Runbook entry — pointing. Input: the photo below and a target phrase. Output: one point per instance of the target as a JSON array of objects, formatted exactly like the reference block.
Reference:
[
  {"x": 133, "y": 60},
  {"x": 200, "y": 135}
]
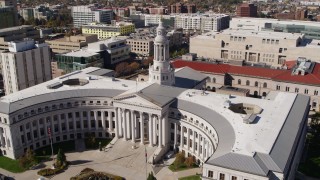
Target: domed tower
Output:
[{"x": 161, "y": 71}]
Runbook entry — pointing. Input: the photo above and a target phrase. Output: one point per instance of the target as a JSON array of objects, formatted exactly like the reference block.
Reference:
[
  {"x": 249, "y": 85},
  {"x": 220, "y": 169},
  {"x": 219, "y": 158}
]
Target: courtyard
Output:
[{"x": 119, "y": 159}]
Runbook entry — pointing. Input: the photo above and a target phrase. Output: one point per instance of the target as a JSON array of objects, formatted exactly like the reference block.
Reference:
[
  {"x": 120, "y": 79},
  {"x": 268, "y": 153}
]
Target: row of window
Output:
[
  {"x": 222, "y": 176},
  {"x": 60, "y": 106}
]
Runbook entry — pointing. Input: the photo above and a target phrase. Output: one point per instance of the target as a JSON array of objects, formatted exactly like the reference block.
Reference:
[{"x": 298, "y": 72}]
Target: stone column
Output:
[
  {"x": 133, "y": 117},
  {"x": 154, "y": 126},
  {"x": 59, "y": 124},
  {"x": 150, "y": 130},
  {"x": 67, "y": 121},
  {"x": 96, "y": 120},
  {"x": 207, "y": 149},
  {"x": 175, "y": 136},
  {"x": 89, "y": 119},
  {"x": 128, "y": 119},
  {"x": 193, "y": 142},
  {"x": 198, "y": 140},
  {"x": 116, "y": 123},
  {"x": 188, "y": 139},
  {"x": 160, "y": 131},
  {"x": 164, "y": 131},
  {"x": 103, "y": 120},
  {"x": 110, "y": 120},
  {"x": 181, "y": 136},
  {"x": 203, "y": 143},
  {"x": 142, "y": 127},
  {"x": 81, "y": 121},
  {"x": 120, "y": 121},
  {"x": 124, "y": 124}
]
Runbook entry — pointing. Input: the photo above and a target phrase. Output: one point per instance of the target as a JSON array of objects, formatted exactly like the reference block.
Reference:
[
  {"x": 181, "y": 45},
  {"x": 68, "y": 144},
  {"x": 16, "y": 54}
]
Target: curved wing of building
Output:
[{"x": 232, "y": 137}]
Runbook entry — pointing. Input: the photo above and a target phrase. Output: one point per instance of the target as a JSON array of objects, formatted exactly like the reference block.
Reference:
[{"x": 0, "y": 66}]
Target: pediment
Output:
[{"x": 135, "y": 99}]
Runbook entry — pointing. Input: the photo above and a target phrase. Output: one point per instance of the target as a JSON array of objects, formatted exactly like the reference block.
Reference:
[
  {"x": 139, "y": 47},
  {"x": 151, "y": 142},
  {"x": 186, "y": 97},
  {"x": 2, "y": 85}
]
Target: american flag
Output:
[{"x": 49, "y": 132}]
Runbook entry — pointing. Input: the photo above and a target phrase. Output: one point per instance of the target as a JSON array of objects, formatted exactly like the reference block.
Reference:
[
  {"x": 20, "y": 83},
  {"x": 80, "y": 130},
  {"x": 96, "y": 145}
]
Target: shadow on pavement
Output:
[{"x": 77, "y": 162}]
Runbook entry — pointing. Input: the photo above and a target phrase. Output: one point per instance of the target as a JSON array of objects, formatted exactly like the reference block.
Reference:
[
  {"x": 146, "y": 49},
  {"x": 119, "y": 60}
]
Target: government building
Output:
[{"x": 232, "y": 137}]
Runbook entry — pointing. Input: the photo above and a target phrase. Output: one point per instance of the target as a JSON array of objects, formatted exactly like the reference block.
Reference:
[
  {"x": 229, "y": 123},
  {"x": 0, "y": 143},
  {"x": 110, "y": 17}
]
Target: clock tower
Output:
[{"x": 161, "y": 71}]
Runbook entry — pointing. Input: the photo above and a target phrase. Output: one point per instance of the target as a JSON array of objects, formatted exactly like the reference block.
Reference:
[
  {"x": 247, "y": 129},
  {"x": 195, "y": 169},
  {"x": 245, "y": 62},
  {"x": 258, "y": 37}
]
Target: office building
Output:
[
  {"x": 191, "y": 22},
  {"x": 232, "y": 137},
  {"x": 182, "y": 8},
  {"x": 17, "y": 33},
  {"x": 202, "y": 22},
  {"x": 310, "y": 29},
  {"x": 256, "y": 47},
  {"x": 104, "y": 54},
  {"x": 105, "y": 31},
  {"x": 247, "y": 10},
  {"x": 25, "y": 64},
  {"x": 88, "y": 14},
  {"x": 71, "y": 43},
  {"x": 7, "y": 17}
]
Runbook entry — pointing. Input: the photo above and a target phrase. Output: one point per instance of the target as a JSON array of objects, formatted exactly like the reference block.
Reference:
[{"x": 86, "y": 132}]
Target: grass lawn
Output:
[
  {"x": 66, "y": 146},
  {"x": 194, "y": 177},
  {"x": 181, "y": 168},
  {"x": 103, "y": 141},
  {"x": 311, "y": 167},
  {"x": 10, "y": 165}
]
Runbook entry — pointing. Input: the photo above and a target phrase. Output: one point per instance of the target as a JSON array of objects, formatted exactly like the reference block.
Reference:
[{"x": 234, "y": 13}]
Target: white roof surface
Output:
[{"x": 250, "y": 138}]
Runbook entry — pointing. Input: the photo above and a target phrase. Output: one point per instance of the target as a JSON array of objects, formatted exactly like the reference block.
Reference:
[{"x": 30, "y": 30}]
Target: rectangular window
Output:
[
  {"x": 210, "y": 174},
  {"x": 221, "y": 176}
]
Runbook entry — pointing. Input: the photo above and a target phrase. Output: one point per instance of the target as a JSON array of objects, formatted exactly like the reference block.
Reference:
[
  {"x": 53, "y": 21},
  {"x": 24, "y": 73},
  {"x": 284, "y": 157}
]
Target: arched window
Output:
[
  {"x": 264, "y": 94},
  {"x": 208, "y": 79},
  {"x": 248, "y": 83},
  {"x": 239, "y": 81},
  {"x": 213, "y": 80},
  {"x": 265, "y": 85},
  {"x": 256, "y": 84}
]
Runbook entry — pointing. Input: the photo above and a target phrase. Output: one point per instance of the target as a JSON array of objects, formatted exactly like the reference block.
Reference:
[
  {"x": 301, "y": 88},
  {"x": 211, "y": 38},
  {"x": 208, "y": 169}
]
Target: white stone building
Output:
[
  {"x": 164, "y": 113},
  {"x": 25, "y": 64},
  {"x": 87, "y": 14},
  {"x": 264, "y": 47}
]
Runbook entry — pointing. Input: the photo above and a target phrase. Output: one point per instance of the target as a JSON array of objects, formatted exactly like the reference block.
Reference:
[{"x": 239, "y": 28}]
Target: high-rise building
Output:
[
  {"x": 7, "y": 17},
  {"x": 87, "y": 14},
  {"x": 247, "y": 10},
  {"x": 24, "y": 65},
  {"x": 161, "y": 71}
]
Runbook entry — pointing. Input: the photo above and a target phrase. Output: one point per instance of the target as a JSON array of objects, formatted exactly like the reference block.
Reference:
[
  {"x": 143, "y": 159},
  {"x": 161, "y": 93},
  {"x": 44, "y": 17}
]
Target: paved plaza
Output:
[{"x": 120, "y": 159}]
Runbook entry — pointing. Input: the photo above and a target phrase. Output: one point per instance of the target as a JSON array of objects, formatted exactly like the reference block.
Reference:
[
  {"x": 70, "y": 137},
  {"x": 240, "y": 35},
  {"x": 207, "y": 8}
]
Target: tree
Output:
[
  {"x": 180, "y": 159},
  {"x": 61, "y": 158},
  {"x": 146, "y": 62},
  {"x": 134, "y": 66},
  {"x": 315, "y": 124},
  {"x": 189, "y": 161},
  {"x": 151, "y": 176},
  {"x": 28, "y": 159}
]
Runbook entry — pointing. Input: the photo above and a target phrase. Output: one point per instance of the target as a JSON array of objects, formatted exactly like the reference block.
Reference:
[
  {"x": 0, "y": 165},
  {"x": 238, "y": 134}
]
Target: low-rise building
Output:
[
  {"x": 104, "y": 54},
  {"x": 257, "y": 47},
  {"x": 25, "y": 64},
  {"x": 17, "y": 33},
  {"x": 301, "y": 77},
  {"x": 105, "y": 31},
  {"x": 309, "y": 28},
  {"x": 67, "y": 44}
]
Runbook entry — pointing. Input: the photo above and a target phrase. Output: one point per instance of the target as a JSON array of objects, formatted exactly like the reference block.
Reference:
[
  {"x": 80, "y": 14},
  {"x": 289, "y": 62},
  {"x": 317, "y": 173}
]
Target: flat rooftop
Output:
[
  {"x": 276, "y": 21},
  {"x": 81, "y": 53},
  {"x": 15, "y": 28},
  {"x": 247, "y": 33}
]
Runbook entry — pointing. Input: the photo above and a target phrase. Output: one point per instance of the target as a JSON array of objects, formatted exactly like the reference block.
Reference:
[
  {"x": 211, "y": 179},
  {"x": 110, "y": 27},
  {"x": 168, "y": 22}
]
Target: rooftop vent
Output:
[{"x": 249, "y": 118}]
